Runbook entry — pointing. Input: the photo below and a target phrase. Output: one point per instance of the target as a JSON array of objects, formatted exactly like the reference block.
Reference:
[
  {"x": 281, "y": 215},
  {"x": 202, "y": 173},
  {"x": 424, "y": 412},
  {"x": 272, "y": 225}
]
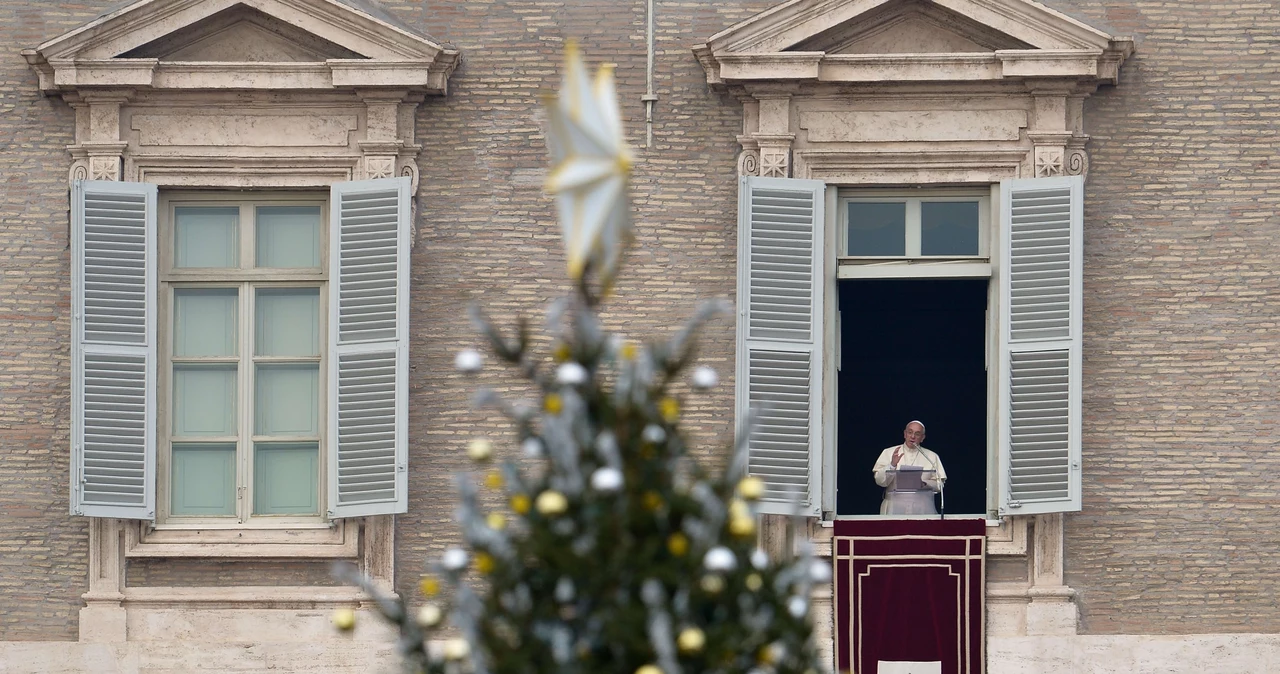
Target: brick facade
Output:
[{"x": 1176, "y": 535}]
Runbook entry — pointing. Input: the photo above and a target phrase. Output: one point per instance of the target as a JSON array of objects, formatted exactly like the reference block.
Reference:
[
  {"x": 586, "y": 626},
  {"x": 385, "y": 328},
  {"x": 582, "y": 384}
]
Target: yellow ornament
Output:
[
  {"x": 649, "y": 669},
  {"x": 651, "y": 500},
  {"x": 496, "y": 521},
  {"x": 480, "y": 450},
  {"x": 551, "y": 502},
  {"x": 520, "y": 504},
  {"x": 456, "y": 649},
  {"x": 493, "y": 480},
  {"x": 738, "y": 508},
  {"x": 484, "y": 562},
  {"x": 562, "y": 353},
  {"x": 552, "y": 403},
  {"x": 344, "y": 619},
  {"x": 678, "y": 544},
  {"x": 669, "y": 408},
  {"x": 628, "y": 351},
  {"x": 742, "y": 526},
  {"x": 429, "y": 586},
  {"x": 754, "y": 582},
  {"x": 712, "y": 584},
  {"x": 691, "y": 640},
  {"x": 429, "y": 615},
  {"x": 751, "y": 488}
]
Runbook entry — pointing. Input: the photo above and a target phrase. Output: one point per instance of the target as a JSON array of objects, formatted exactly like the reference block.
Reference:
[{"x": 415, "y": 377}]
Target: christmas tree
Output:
[{"x": 617, "y": 551}]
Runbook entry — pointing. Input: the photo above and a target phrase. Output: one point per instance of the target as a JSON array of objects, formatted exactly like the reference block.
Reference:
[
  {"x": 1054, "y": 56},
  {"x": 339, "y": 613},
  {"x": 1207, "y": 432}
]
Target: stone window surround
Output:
[
  {"x": 881, "y": 120},
  {"x": 277, "y": 126}
]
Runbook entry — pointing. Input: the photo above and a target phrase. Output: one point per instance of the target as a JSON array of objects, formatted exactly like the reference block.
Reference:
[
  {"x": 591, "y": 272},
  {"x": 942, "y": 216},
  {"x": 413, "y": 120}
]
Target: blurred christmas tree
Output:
[{"x": 619, "y": 552}]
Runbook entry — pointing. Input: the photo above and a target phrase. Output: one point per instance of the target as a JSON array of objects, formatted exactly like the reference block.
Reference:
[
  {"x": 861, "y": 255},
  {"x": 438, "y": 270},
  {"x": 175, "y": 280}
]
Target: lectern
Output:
[{"x": 909, "y": 492}]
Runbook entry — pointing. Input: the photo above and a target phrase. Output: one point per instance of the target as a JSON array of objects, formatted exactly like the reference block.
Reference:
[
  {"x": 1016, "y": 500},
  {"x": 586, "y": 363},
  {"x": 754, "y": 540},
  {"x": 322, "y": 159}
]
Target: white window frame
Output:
[{"x": 246, "y": 278}]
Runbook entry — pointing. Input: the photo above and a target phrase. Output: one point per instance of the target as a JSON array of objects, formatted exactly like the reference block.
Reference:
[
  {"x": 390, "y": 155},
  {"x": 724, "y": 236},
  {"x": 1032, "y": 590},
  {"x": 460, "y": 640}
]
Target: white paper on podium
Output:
[{"x": 903, "y": 667}]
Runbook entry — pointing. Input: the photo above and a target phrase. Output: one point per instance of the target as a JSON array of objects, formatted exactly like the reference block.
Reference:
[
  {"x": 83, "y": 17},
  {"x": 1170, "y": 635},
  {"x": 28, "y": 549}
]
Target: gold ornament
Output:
[
  {"x": 562, "y": 353},
  {"x": 429, "y": 615},
  {"x": 691, "y": 640},
  {"x": 493, "y": 479},
  {"x": 678, "y": 544},
  {"x": 429, "y": 586},
  {"x": 754, "y": 582},
  {"x": 496, "y": 521},
  {"x": 480, "y": 450},
  {"x": 628, "y": 351},
  {"x": 551, "y": 502},
  {"x": 651, "y": 501},
  {"x": 552, "y": 403},
  {"x": 520, "y": 504},
  {"x": 742, "y": 526},
  {"x": 344, "y": 619},
  {"x": 649, "y": 669},
  {"x": 669, "y": 408},
  {"x": 751, "y": 488},
  {"x": 712, "y": 584},
  {"x": 484, "y": 562}
]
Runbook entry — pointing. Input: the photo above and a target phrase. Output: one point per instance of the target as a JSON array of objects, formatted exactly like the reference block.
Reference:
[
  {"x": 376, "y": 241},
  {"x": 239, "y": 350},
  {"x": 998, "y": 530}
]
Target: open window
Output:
[{"x": 980, "y": 340}]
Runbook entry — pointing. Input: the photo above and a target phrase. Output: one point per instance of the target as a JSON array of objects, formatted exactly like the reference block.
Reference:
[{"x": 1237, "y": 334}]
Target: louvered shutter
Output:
[
  {"x": 780, "y": 306},
  {"x": 113, "y": 349},
  {"x": 369, "y": 355},
  {"x": 1040, "y": 283}
]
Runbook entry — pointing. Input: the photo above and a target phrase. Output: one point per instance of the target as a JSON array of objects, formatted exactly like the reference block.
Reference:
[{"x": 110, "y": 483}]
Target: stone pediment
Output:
[
  {"x": 849, "y": 41},
  {"x": 242, "y": 44}
]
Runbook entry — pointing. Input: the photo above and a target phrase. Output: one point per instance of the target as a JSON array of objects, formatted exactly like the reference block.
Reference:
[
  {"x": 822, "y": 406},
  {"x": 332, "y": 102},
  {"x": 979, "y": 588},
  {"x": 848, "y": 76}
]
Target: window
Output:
[
  {"x": 932, "y": 224},
  {"x": 243, "y": 284},
  {"x": 1003, "y": 343},
  {"x": 275, "y": 331}
]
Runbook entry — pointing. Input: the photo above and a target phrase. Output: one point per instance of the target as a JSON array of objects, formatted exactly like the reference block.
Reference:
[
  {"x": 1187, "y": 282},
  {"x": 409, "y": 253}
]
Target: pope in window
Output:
[{"x": 910, "y": 474}]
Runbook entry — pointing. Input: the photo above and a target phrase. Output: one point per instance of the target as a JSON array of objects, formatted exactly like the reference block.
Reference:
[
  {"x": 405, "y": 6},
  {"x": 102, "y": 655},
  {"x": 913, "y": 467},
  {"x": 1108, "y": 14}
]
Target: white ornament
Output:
[
  {"x": 454, "y": 559},
  {"x": 653, "y": 434},
  {"x": 531, "y": 447},
  {"x": 819, "y": 572},
  {"x": 456, "y": 649},
  {"x": 606, "y": 479},
  {"x": 705, "y": 377},
  {"x": 468, "y": 360},
  {"x": 429, "y": 615},
  {"x": 571, "y": 374},
  {"x": 759, "y": 559},
  {"x": 797, "y": 607},
  {"x": 720, "y": 558}
]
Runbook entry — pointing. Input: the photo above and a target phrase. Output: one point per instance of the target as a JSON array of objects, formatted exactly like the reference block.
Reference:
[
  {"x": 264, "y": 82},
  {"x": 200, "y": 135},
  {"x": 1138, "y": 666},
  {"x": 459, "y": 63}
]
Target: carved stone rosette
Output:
[{"x": 1048, "y": 161}]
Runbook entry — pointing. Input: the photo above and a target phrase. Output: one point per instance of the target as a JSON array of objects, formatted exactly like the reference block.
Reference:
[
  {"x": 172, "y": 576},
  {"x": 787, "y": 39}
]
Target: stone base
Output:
[{"x": 1135, "y": 654}]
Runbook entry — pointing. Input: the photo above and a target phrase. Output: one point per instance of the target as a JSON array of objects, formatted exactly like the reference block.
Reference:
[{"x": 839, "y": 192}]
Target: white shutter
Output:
[
  {"x": 113, "y": 349},
  {"x": 780, "y": 307},
  {"x": 1040, "y": 294},
  {"x": 369, "y": 354}
]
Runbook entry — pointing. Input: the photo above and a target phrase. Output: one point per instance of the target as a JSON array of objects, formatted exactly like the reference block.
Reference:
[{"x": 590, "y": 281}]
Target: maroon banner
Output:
[{"x": 909, "y": 591}]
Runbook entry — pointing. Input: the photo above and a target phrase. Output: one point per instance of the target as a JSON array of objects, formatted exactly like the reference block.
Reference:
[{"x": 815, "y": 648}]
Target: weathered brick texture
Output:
[{"x": 1178, "y": 529}]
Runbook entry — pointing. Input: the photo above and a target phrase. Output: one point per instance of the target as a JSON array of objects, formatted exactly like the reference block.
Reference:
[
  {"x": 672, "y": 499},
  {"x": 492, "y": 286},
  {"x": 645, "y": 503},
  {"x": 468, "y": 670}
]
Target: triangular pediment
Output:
[
  {"x": 243, "y": 34},
  {"x": 131, "y": 46},
  {"x": 910, "y": 40},
  {"x": 919, "y": 27}
]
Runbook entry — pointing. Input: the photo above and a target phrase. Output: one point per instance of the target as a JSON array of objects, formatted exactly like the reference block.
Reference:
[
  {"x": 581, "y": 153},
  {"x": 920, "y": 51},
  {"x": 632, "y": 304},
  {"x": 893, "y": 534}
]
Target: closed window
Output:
[{"x": 938, "y": 224}]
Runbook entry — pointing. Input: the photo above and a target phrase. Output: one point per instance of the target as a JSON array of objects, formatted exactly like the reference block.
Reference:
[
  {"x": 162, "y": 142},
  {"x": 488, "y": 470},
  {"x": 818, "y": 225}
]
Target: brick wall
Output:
[{"x": 1181, "y": 295}]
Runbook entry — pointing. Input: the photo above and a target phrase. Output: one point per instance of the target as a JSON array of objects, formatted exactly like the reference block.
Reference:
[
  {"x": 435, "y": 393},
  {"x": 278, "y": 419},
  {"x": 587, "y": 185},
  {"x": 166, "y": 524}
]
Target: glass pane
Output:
[
  {"x": 204, "y": 400},
  {"x": 287, "y": 399},
  {"x": 286, "y": 478},
  {"x": 204, "y": 322},
  {"x": 205, "y": 236},
  {"x": 204, "y": 479},
  {"x": 949, "y": 228},
  {"x": 288, "y": 236},
  {"x": 877, "y": 228},
  {"x": 287, "y": 322}
]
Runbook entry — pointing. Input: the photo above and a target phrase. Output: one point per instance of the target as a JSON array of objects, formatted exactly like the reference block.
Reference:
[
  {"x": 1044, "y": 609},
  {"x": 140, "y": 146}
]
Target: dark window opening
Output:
[{"x": 912, "y": 349}]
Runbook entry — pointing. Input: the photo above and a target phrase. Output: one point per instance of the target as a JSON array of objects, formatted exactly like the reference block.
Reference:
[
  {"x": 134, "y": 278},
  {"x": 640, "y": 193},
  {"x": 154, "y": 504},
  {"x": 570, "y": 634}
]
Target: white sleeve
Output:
[{"x": 881, "y": 469}]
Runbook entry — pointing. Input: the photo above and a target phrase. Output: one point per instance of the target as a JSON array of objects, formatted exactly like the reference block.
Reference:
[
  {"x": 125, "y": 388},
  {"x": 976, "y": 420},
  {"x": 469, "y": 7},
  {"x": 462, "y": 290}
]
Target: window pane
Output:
[
  {"x": 288, "y": 399},
  {"x": 205, "y": 236},
  {"x": 204, "y": 322},
  {"x": 288, "y": 322},
  {"x": 286, "y": 478},
  {"x": 949, "y": 228},
  {"x": 204, "y": 479},
  {"x": 288, "y": 236},
  {"x": 204, "y": 400},
  {"x": 877, "y": 228}
]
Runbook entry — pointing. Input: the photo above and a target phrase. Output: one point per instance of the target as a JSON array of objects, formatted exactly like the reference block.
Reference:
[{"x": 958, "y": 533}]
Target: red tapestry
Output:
[{"x": 909, "y": 591}]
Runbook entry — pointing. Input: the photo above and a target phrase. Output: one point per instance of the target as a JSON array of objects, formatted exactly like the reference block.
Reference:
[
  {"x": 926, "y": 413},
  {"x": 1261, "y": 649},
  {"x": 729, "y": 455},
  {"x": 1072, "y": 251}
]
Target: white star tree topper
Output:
[{"x": 590, "y": 171}]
